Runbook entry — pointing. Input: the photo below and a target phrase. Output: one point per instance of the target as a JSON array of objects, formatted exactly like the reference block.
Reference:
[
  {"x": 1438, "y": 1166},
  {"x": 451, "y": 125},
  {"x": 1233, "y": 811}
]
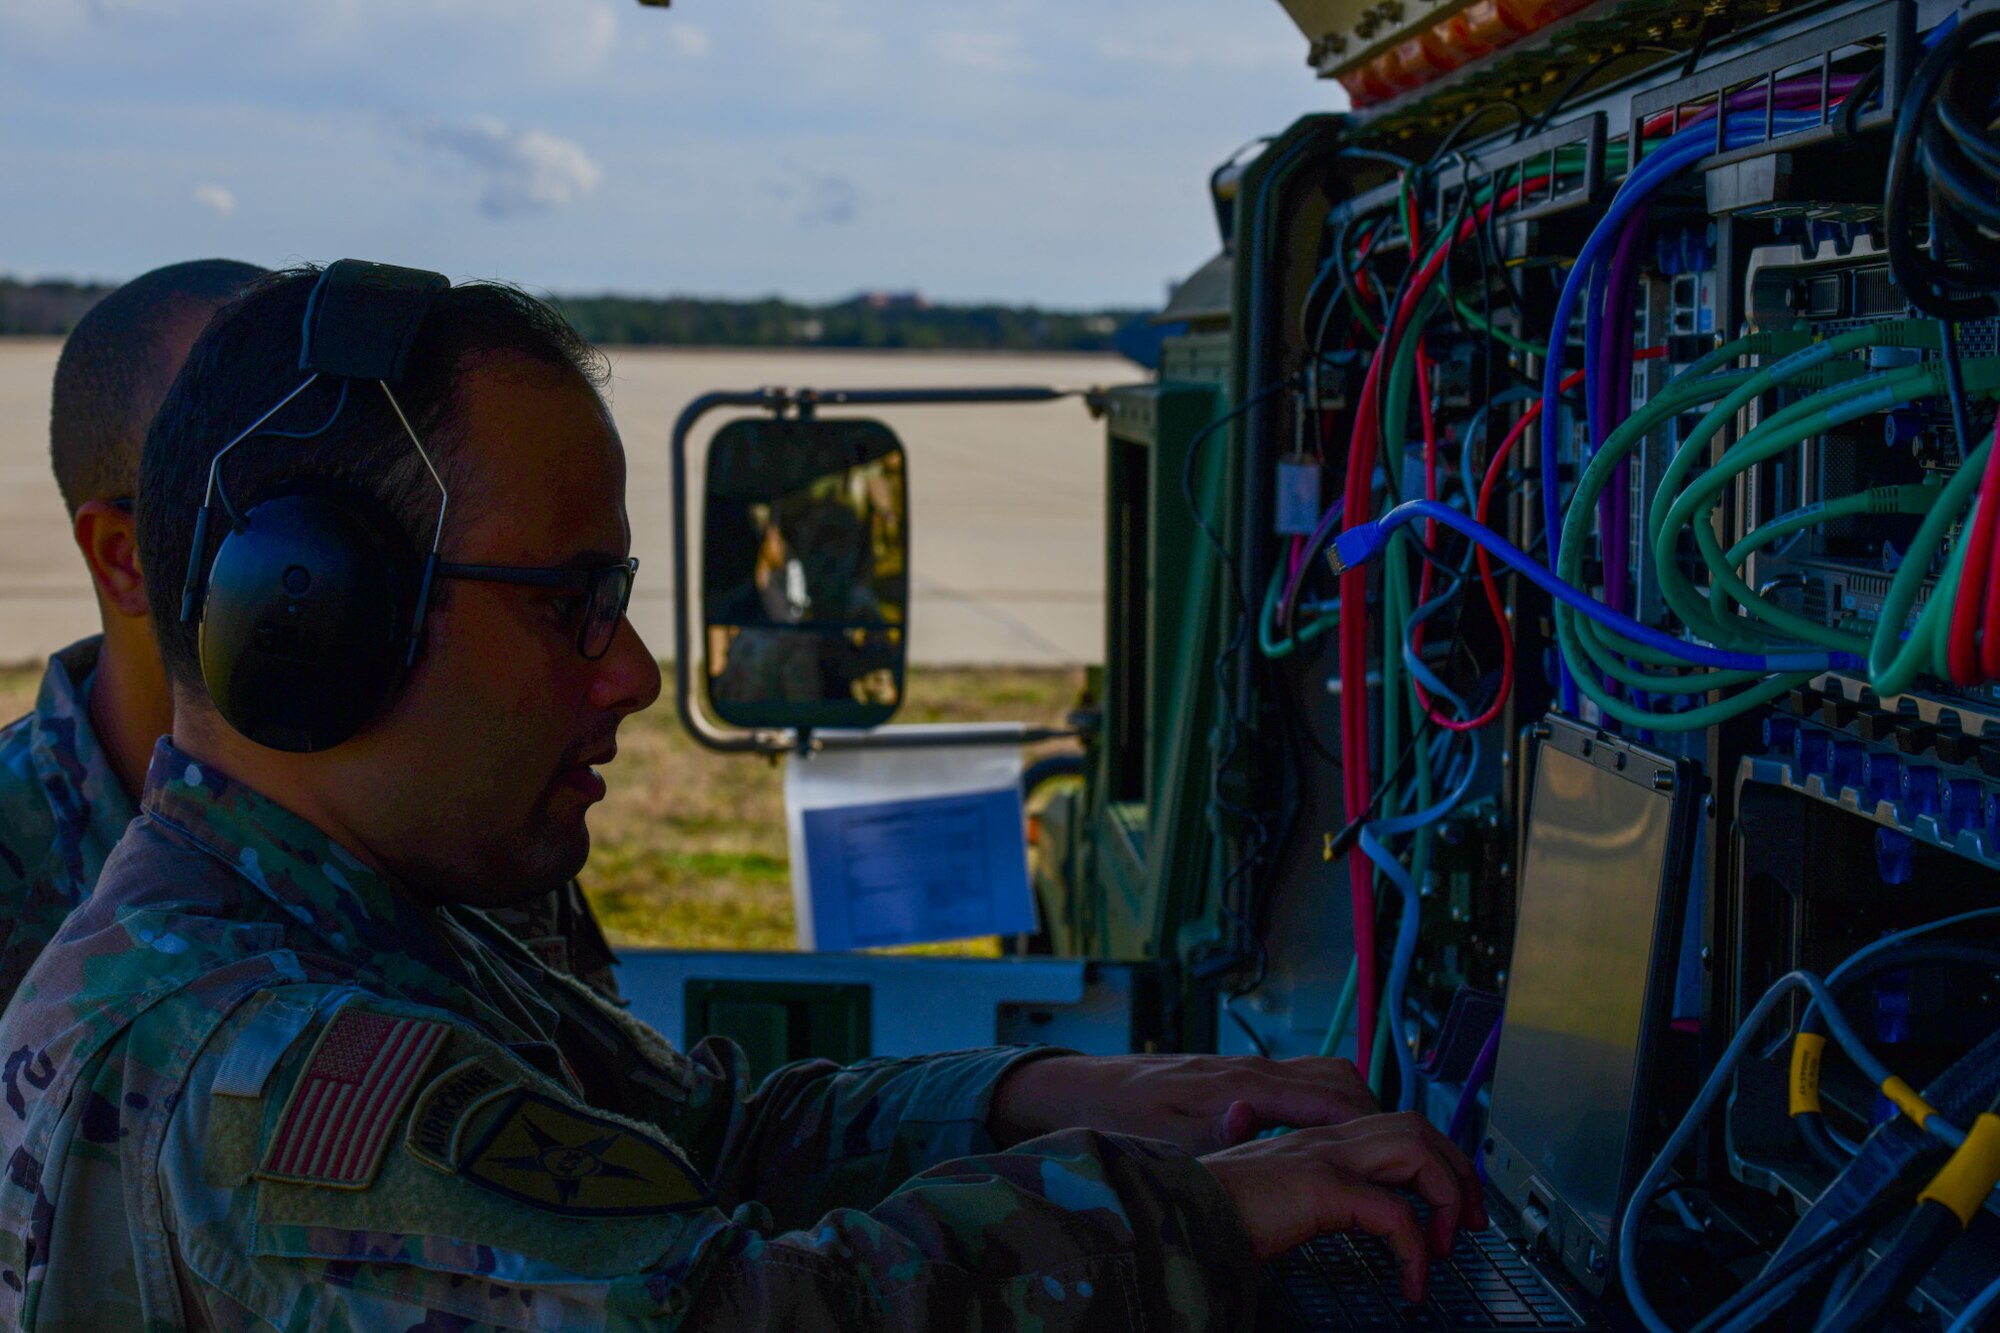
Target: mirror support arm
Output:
[{"x": 804, "y": 402}]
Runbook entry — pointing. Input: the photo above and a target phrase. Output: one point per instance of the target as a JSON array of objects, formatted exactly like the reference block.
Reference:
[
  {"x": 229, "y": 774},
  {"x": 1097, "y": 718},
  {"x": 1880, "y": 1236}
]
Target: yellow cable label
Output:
[
  {"x": 1965, "y": 1181},
  {"x": 1806, "y": 1050},
  {"x": 1906, "y": 1100}
]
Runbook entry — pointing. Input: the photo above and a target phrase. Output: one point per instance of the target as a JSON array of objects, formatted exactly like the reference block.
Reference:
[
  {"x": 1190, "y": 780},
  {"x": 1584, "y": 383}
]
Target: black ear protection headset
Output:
[{"x": 312, "y": 610}]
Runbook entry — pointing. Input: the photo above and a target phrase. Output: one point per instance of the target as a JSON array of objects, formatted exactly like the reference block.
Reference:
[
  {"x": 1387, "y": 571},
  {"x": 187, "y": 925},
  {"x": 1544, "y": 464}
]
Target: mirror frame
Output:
[
  {"x": 804, "y": 402},
  {"x": 785, "y": 455}
]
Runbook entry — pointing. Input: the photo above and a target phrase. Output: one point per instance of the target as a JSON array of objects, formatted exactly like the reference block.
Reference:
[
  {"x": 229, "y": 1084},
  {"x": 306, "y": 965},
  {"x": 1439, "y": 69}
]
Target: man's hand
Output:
[
  {"x": 1292, "y": 1188},
  {"x": 1199, "y": 1103}
]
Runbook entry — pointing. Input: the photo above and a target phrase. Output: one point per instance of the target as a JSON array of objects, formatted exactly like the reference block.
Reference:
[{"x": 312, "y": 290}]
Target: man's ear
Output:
[{"x": 109, "y": 540}]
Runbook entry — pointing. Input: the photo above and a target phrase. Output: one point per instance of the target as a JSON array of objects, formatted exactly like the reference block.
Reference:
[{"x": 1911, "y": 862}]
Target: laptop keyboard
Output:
[{"x": 1352, "y": 1280}]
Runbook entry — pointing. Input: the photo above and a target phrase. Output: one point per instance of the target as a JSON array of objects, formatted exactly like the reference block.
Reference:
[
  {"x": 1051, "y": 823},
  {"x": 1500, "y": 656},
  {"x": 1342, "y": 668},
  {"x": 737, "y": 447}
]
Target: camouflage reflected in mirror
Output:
[{"x": 805, "y": 573}]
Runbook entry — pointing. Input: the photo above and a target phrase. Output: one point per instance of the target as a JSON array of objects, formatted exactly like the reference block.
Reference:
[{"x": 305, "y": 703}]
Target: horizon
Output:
[
  {"x": 1031, "y": 154},
  {"x": 756, "y": 298}
]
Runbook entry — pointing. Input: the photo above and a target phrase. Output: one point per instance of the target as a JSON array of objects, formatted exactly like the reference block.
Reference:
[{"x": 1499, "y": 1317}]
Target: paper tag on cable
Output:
[{"x": 1298, "y": 497}]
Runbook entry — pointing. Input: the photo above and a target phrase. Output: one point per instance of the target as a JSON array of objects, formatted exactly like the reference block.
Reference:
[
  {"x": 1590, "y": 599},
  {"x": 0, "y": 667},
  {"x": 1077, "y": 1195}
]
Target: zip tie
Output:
[
  {"x": 1964, "y": 1181},
  {"x": 1807, "y": 1050}
]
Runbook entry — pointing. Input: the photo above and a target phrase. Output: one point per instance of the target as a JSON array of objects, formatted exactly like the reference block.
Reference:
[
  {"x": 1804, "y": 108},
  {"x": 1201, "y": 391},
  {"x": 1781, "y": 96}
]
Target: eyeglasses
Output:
[{"x": 606, "y": 591}]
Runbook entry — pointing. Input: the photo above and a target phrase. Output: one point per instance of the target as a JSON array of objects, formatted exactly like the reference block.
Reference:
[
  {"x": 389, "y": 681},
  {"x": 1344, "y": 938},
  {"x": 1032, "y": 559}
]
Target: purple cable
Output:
[
  {"x": 1792, "y": 95},
  {"x": 1475, "y": 1078},
  {"x": 1311, "y": 548},
  {"x": 1624, "y": 291},
  {"x": 1611, "y": 396}
]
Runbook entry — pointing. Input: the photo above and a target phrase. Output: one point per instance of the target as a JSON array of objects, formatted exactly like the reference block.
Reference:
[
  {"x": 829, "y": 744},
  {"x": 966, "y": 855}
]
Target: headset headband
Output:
[{"x": 362, "y": 319}]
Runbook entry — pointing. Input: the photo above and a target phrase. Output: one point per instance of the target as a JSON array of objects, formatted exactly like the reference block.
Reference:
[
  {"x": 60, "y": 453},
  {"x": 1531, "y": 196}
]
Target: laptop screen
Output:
[{"x": 1566, "y": 1082}]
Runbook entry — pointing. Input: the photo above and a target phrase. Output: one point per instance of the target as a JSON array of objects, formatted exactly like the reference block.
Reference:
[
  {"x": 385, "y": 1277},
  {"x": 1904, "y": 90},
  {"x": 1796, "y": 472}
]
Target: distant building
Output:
[{"x": 879, "y": 300}]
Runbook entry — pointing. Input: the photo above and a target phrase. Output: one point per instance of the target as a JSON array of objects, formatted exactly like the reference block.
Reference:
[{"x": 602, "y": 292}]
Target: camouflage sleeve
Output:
[
  {"x": 492, "y": 1196},
  {"x": 817, "y": 1136},
  {"x": 1075, "y": 1230}
]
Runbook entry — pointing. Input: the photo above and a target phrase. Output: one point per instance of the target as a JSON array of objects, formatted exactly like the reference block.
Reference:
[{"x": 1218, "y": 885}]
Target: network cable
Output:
[
  {"x": 1677, "y": 1143},
  {"x": 1363, "y": 542}
]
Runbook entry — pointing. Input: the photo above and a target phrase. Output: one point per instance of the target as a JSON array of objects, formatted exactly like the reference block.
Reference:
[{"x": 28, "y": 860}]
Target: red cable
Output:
[
  {"x": 1964, "y": 651},
  {"x": 1356, "y": 779},
  {"x": 1989, "y": 638}
]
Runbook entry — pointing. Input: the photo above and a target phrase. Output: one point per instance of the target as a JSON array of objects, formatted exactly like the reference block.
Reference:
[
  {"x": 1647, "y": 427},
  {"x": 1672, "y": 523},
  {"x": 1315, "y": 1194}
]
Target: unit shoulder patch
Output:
[
  {"x": 356, "y": 1082},
  {"x": 446, "y": 1107},
  {"x": 567, "y": 1159}
]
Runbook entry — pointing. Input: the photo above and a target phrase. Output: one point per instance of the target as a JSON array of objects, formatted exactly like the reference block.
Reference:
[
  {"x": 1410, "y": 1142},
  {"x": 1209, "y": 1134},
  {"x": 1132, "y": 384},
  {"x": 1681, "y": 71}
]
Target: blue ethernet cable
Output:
[
  {"x": 1678, "y": 153},
  {"x": 1968, "y": 1318},
  {"x": 1677, "y": 1143},
  {"x": 1364, "y": 541}
]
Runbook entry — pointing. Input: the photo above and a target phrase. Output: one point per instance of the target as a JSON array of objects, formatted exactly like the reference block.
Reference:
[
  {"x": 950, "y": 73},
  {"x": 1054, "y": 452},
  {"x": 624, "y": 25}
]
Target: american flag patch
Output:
[{"x": 355, "y": 1084}]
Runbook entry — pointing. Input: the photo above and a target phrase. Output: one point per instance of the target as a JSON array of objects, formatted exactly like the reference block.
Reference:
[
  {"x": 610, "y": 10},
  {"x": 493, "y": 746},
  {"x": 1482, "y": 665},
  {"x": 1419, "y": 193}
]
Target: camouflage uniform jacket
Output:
[
  {"x": 251, "y": 1084},
  {"x": 62, "y": 808}
]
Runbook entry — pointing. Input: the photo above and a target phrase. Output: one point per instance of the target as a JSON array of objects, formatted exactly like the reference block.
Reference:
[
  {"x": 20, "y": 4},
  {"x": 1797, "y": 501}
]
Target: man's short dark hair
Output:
[
  {"x": 115, "y": 369},
  {"x": 248, "y": 359}
]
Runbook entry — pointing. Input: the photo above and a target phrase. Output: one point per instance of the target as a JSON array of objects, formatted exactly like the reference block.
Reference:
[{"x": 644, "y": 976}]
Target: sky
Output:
[{"x": 1051, "y": 152}]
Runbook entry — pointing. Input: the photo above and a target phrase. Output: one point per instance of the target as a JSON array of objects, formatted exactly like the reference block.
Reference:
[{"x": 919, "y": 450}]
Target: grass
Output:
[{"x": 688, "y": 849}]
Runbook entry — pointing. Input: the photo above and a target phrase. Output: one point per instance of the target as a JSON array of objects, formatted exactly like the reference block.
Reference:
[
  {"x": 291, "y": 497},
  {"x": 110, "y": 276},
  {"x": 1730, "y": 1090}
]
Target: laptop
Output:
[{"x": 1606, "y": 865}]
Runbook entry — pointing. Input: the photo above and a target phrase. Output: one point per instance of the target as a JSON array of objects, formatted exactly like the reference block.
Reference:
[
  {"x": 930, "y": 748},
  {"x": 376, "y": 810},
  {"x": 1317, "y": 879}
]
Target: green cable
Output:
[
  {"x": 1603, "y": 647},
  {"x": 1343, "y": 1009},
  {"x": 1662, "y": 529},
  {"x": 1679, "y": 593},
  {"x": 1781, "y": 432},
  {"x": 1581, "y": 638},
  {"x": 1945, "y": 594},
  {"x": 1266, "y": 620},
  {"x": 1399, "y": 690},
  {"x": 1381, "y": 1052},
  {"x": 1395, "y": 608},
  {"x": 1729, "y": 585},
  {"x": 1813, "y": 416},
  {"x": 1919, "y": 500},
  {"x": 1478, "y": 321},
  {"x": 1894, "y": 661}
]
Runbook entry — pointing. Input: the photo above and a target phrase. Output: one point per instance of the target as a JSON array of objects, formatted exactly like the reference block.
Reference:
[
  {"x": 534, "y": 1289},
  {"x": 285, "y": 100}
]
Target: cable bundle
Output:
[{"x": 1944, "y": 131}]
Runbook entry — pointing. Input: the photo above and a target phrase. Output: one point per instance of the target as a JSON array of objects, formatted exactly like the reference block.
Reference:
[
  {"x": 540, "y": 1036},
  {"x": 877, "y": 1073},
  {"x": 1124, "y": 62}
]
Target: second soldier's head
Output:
[{"x": 471, "y": 783}]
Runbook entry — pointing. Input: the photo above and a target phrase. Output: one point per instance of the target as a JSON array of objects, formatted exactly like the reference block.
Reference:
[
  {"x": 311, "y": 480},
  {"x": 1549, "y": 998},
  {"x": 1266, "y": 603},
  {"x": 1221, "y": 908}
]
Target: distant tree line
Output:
[{"x": 871, "y": 320}]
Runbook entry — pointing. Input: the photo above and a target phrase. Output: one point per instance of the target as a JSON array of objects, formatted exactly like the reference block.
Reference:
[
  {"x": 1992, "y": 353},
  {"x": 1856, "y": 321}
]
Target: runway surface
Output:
[{"x": 1007, "y": 535}]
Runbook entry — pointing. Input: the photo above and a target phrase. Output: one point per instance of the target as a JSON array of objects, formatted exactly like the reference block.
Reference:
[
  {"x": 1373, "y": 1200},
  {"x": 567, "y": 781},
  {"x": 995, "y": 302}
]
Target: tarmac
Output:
[{"x": 1006, "y": 502}]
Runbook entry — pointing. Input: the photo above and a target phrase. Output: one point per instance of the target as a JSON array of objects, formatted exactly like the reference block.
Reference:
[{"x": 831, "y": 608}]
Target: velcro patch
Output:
[
  {"x": 446, "y": 1107},
  {"x": 565, "y": 1159},
  {"x": 356, "y": 1082},
  {"x": 259, "y": 1046}
]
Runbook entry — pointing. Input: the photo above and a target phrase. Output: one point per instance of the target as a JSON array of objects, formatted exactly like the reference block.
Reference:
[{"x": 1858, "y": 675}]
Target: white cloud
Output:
[
  {"x": 524, "y": 170},
  {"x": 217, "y": 199},
  {"x": 989, "y": 52},
  {"x": 690, "y": 41}
]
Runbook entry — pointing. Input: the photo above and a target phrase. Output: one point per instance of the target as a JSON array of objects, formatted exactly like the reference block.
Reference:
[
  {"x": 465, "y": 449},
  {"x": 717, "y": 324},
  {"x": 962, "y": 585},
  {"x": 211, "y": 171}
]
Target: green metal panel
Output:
[
  {"x": 778, "y": 1022},
  {"x": 1140, "y": 865}
]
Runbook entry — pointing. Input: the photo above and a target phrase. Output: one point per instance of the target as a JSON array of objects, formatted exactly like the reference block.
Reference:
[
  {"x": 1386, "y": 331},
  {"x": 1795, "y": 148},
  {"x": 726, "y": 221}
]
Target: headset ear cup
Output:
[{"x": 305, "y": 627}]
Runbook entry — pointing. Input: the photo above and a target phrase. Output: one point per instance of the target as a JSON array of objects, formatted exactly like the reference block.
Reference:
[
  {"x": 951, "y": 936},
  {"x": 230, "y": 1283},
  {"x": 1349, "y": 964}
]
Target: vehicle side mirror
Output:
[{"x": 805, "y": 573}]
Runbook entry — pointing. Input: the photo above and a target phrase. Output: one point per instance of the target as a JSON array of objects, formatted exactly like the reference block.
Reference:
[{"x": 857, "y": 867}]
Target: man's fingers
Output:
[
  {"x": 1404, "y": 1156},
  {"x": 1360, "y": 1207},
  {"x": 1286, "y": 1096},
  {"x": 1239, "y": 1124},
  {"x": 1470, "y": 1190}
]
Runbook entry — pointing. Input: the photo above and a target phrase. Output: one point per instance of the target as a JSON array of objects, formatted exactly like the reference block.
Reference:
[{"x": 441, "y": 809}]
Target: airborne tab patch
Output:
[
  {"x": 567, "y": 1160},
  {"x": 445, "y": 1107},
  {"x": 356, "y": 1082}
]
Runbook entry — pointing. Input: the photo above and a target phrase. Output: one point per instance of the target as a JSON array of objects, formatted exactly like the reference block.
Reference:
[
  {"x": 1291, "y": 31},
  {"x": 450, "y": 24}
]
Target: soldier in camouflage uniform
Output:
[
  {"x": 69, "y": 771},
  {"x": 277, "y": 1072}
]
